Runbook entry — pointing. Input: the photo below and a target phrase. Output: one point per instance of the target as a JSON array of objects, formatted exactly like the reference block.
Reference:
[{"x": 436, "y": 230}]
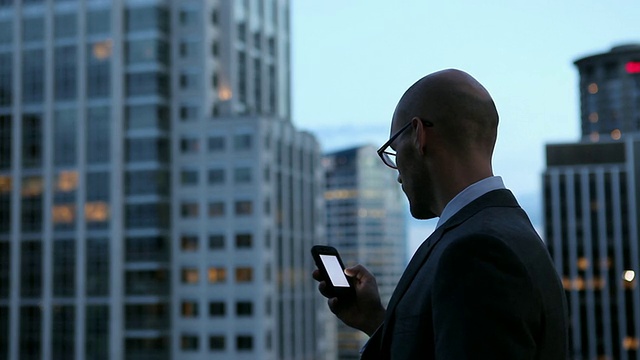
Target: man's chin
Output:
[{"x": 422, "y": 214}]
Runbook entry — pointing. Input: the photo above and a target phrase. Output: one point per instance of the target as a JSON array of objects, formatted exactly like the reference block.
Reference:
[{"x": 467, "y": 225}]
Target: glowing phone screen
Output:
[{"x": 337, "y": 276}]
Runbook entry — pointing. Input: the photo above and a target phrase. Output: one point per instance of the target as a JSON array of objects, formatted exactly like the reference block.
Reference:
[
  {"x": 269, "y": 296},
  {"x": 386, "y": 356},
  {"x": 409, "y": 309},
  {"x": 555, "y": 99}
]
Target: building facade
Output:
[
  {"x": 154, "y": 195},
  {"x": 591, "y": 197},
  {"x": 365, "y": 212}
]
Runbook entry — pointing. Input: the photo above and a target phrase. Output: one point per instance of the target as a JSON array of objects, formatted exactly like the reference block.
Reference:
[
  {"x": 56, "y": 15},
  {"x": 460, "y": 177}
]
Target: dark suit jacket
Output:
[{"x": 482, "y": 286}]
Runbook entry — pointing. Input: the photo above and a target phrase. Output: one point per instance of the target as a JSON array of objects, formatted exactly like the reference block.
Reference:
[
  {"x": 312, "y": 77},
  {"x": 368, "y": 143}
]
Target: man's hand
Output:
[{"x": 364, "y": 311}]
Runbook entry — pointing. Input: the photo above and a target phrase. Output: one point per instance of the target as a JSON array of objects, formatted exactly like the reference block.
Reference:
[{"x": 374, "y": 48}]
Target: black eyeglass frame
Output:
[{"x": 385, "y": 156}]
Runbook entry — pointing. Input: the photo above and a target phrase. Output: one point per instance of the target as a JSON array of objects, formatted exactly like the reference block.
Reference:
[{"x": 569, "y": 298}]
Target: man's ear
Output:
[{"x": 421, "y": 135}]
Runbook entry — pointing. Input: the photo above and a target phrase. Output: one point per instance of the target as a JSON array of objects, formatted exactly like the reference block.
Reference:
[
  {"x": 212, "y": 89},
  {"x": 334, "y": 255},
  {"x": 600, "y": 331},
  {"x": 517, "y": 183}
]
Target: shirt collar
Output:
[{"x": 469, "y": 194}]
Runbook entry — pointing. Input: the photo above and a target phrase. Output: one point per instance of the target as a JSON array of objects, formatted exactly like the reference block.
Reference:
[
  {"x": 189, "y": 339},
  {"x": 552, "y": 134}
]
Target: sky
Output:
[{"x": 352, "y": 60}]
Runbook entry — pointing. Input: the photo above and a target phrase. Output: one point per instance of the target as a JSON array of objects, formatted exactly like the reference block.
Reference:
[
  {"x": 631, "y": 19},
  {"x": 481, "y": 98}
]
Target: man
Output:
[{"x": 482, "y": 286}]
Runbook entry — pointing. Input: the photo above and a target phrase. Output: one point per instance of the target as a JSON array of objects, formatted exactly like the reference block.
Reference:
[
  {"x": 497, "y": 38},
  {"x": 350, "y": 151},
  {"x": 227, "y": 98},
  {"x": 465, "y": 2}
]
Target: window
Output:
[
  {"x": 99, "y": 69},
  {"x": 189, "y": 242},
  {"x": 6, "y": 30},
  {"x": 147, "y": 248},
  {"x": 6, "y": 78},
  {"x": 31, "y": 140},
  {"x": 217, "y": 275},
  {"x": 5, "y": 135},
  {"x": 244, "y": 274},
  {"x": 147, "y": 150},
  {"x": 63, "y": 332},
  {"x": 216, "y": 209},
  {"x": 242, "y": 142},
  {"x": 244, "y": 342},
  {"x": 30, "y": 332},
  {"x": 147, "y": 282},
  {"x": 244, "y": 207},
  {"x": 242, "y": 175},
  {"x": 216, "y": 342},
  {"x": 31, "y": 209},
  {"x": 97, "y": 265},
  {"x": 64, "y": 133},
  {"x": 147, "y": 18},
  {"x": 147, "y": 51},
  {"x": 5, "y": 267},
  {"x": 189, "y": 308},
  {"x": 189, "y": 112},
  {"x": 216, "y": 176},
  {"x": 189, "y": 80},
  {"x": 147, "y": 215},
  {"x": 65, "y": 72},
  {"x": 216, "y": 242},
  {"x": 64, "y": 268},
  {"x": 190, "y": 48},
  {"x": 189, "y": 145},
  {"x": 147, "y": 182},
  {"x": 147, "y": 116},
  {"x": 190, "y": 276},
  {"x": 244, "y": 308},
  {"x": 217, "y": 308},
  {"x": 65, "y": 25},
  {"x": 244, "y": 241},
  {"x": 32, "y": 29},
  {"x": 31, "y": 269},
  {"x": 189, "y": 342},
  {"x": 147, "y": 83},
  {"x": 189, "y": 177},
  {"x": 98, "y": 135},
  {"x": 216, "y": 143},
  {"x": 33, "y": 76},
  {"x": 97, "y": 332},
  {"x": 99, "y": 21},
  {"x": 189, "y": 210}
]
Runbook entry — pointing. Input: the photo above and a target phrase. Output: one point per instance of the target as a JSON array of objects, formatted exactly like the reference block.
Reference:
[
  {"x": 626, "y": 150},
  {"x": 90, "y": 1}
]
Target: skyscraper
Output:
[
  {"x": 155, "y": 199},
  {"x": 591, "y": 203},
  {"x": 366, "y": 223}
]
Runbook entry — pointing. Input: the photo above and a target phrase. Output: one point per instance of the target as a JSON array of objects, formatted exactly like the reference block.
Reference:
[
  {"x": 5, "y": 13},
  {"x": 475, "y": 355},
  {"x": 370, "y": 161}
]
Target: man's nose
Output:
[{"x": 399, "y": 178}]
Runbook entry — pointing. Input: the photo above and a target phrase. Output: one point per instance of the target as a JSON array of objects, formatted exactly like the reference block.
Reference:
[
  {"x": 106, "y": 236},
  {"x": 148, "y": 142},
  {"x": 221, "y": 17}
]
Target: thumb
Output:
[{"x": 355, "y": 271}]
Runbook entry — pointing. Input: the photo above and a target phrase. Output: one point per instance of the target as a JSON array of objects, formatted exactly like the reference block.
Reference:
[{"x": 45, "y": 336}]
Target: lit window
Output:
[
  {"x": 616, "y": 134},
  {"x": 189, "y": 309},
  {"x": 217, "y": 275},
  {"x": 631, "y": 343},
  {"x": 244, "y": 274},
  {"x": 593, "y": 117},
  {"x": 629, "y": 275},
  {"x": 595, "y": 136},
  {"x": 592, "y": 88},
  {"x": 189, "y": 242},
  {"x": 190, "y": 276},
  {"x": 96, "y": 211}
]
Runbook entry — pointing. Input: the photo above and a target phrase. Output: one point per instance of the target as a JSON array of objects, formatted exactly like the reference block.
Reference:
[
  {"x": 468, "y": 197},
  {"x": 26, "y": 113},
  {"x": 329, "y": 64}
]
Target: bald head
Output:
[{"x": 459, "y": 106}]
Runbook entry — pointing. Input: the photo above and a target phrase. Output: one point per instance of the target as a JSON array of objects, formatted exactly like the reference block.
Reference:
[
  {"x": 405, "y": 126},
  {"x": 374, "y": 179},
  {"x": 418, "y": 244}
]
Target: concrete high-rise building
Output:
[
  {"x": 591, "y": 198},
  {"x": 365, "y": 211},
  {"x": 156, "y": 201}
]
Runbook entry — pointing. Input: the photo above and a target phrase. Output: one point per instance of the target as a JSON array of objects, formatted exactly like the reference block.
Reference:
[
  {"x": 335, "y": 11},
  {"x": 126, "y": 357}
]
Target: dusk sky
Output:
[{"x": 352, "y": 60}]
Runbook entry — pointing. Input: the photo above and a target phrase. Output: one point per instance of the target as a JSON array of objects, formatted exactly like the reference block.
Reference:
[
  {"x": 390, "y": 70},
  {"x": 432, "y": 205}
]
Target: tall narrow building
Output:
[
  {"x": 155, "y": 199},
  {"x": 366, "y": 223},
  {"x": 591, "y": 198}
]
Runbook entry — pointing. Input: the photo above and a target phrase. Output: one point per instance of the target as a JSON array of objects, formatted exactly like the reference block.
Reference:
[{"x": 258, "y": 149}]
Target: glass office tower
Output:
[
  {"x": 151, "y": 182},
  {"x": 366, "y": 222},
  {"x": 591, "y": 197}
]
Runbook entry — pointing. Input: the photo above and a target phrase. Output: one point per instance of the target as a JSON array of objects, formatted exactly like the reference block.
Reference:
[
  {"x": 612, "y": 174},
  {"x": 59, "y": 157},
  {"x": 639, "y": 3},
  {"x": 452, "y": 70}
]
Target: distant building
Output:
[
  {"x": 156, "y": 201},
  {"x": 365, "y": 212},
  {"x": 591, "y": 198}
]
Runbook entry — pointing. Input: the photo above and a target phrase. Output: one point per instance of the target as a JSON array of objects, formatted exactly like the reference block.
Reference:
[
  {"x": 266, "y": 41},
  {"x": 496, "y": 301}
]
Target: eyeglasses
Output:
[{"x": 387, "y": 154}]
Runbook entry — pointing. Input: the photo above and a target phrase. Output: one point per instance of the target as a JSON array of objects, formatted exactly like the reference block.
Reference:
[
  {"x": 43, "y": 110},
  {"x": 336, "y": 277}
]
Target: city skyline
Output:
[{"x": 347, "y": 77}]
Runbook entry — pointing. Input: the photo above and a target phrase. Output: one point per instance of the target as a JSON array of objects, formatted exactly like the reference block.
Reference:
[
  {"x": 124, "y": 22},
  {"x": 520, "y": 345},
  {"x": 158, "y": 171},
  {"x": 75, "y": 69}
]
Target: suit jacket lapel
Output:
[{"x": 494, "y": 198}]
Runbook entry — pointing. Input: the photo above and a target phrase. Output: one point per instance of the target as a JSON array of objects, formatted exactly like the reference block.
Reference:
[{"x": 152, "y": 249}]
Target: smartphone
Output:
[{"x": 331, "y": 267}]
